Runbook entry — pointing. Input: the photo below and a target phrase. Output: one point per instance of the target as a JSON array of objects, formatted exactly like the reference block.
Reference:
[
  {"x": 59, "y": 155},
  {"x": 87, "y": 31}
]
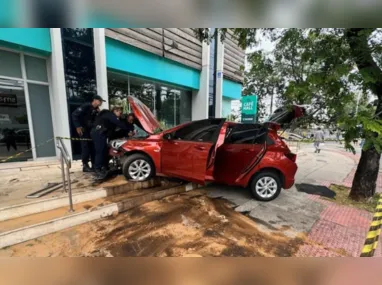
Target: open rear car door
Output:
[
  {"x": 242, "y": 150},
  {"x": 190, "y": 150},
  {"x": 285, "y": 115}
]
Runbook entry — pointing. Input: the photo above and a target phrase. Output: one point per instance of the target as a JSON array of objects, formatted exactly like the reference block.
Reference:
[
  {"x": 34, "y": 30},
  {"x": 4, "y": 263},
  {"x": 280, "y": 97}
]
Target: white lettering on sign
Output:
[
  {"x": 8, "y": 99},
  {"x": 248, "y": 106}
]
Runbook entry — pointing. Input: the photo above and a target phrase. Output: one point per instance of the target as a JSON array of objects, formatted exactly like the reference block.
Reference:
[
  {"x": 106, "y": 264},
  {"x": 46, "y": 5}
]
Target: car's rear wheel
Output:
[
  {"x": 138, "y": 167},
  {"x": 266, "y": 186}
]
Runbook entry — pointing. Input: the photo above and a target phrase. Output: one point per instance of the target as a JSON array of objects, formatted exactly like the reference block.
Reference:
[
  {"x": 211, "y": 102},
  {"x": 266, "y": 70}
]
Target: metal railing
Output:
[{"x": 65, "y": 159}]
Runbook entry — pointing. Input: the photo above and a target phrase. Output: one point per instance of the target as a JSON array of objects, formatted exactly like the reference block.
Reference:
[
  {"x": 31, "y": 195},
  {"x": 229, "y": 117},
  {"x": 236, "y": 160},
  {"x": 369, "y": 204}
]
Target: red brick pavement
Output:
[
  {"x": 349, "y": 179},
  {"x": 341, "y": 230}
]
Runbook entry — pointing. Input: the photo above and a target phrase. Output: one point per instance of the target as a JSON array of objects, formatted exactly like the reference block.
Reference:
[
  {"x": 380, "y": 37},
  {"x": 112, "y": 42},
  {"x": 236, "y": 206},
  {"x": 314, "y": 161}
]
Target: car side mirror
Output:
[{"x": 167, "y": 136}]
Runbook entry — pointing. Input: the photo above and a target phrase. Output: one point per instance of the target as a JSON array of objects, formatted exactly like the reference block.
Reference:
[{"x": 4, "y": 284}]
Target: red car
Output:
[{"x": 211, "y": 150}]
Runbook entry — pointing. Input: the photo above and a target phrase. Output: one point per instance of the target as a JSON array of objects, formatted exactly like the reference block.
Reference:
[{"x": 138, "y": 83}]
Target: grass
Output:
[{"x": 342, "y": 198}]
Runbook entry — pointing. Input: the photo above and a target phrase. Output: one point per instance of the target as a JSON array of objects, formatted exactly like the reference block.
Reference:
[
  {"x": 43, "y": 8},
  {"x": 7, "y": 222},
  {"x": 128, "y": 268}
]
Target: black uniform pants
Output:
[
  {"x": 100, "y": 146},
  {"x": 87, "y": 149},
  {"x": 11, "y": 143}
]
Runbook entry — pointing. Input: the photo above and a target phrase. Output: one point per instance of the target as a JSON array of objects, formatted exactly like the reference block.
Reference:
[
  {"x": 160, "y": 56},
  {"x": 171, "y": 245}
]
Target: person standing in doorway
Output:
[
  {"x": 318, "y": 138},
  {"x": 83, "y": 120},
  {"x": 10, "y": 139}
]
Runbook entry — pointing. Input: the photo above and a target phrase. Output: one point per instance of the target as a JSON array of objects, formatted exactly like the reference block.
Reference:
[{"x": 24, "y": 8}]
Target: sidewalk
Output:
[
  {"x": 17, "y": 180},
  {"x": 341, "y": 230}
]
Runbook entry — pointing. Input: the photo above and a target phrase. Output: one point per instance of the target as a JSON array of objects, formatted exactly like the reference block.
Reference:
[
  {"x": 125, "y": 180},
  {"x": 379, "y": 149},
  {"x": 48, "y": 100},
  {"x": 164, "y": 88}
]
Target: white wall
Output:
[
  {"x": 200, "y": 97},
  {"x": 226, "y": 107}
]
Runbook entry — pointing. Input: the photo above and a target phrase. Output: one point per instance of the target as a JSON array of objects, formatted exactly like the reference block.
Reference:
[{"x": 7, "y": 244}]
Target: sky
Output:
[{"x": 266, "y": 46}]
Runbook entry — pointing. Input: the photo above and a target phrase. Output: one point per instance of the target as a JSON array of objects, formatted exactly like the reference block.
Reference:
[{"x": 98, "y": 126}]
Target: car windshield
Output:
[{"x": 140, "y": 132}]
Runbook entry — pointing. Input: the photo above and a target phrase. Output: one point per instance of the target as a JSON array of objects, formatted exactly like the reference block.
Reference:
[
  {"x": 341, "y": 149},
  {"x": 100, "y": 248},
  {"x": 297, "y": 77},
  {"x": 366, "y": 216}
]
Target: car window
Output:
[
  {"x": 140, "y": 132},
  {"x": 247, "y": 134},
  {"x": 203, "y": 131},
  {"x": 203, "y": 135}
]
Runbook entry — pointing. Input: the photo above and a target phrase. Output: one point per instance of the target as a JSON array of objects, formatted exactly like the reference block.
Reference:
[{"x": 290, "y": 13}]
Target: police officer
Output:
[
  {"x": 104, "y": 127},
  {"x": 129, "y": 122},
  {"x": 83, "y": 119}
]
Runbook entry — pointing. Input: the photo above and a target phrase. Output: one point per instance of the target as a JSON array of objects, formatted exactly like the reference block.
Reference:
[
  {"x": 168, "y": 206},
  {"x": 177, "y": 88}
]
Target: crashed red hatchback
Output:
[{"x": 211, "y": 150}]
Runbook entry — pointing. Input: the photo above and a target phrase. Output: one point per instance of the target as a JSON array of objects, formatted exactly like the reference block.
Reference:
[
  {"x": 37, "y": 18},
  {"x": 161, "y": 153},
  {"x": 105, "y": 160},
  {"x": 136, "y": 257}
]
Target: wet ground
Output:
[{"x": 190, "y": 224}]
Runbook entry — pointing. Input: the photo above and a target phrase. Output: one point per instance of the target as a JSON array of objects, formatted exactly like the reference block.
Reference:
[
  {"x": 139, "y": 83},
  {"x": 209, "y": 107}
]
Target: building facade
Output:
[{"x": 45, "y": 74}]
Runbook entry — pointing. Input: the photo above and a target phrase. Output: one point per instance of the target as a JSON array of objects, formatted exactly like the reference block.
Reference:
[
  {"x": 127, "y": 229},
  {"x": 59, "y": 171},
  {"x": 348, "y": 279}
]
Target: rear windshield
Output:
[{"x": 246, "y": 134}]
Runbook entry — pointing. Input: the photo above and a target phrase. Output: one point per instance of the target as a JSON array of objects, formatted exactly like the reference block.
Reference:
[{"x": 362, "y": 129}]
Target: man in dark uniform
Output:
[
  {"x": 83, "y": 120},
  {"x": 104, "y": 127},
  {"x": 119, "y": 133}
]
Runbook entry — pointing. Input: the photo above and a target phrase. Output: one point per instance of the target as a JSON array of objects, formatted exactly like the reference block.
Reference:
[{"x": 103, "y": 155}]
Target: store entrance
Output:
[{"x": 14, "y": 127}]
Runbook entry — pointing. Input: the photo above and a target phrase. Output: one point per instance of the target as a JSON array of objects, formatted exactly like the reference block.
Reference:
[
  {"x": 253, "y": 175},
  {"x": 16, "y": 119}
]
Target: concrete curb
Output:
[
  {"x": 31, "y": 232},
  {"x": 26, "y": 209}
]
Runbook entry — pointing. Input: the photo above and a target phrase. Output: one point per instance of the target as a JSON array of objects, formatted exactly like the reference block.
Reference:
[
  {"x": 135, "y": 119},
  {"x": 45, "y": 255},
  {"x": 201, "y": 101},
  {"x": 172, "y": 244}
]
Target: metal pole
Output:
[
  {"x": 70, "y": 190},
  {"x": 63, "y": 171},
  {"x": 175, "y": 109},
  {"x": 271, "y": 103}
]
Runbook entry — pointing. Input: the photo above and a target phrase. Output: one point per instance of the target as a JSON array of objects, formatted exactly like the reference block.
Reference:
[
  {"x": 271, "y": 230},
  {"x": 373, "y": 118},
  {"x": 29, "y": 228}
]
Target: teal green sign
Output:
[{"x": 248, "y": 109}]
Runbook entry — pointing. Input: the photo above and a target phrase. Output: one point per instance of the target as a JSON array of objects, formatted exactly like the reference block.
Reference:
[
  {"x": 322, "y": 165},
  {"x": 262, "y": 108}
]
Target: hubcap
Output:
[
  {"x": 139, "y": 170},
  {"x": 266, "y": 187}
]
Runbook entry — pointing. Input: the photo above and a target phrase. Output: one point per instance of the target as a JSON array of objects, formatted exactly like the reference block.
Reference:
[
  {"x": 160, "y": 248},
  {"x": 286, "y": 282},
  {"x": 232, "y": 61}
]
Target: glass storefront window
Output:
[
  {"x": 80, "y": 73},
  {"x": 36, "y": 68},
  {"x": 42, "y": 119},
  {"x": 171, "y": 105},
  {"x": 10, "y": 64},
  {"x": 15, "y": 131},
  {"x": 14, "y": 127},
  {"x": 82, "y": 35}
]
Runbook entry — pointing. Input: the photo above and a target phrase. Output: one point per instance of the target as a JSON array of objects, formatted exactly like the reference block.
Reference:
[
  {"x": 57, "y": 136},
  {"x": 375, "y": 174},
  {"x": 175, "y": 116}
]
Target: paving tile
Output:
[
  {"x": 308, "y": 250},
  {"x": 338, "y": 237},
  {"x": 347, "y": 216}
]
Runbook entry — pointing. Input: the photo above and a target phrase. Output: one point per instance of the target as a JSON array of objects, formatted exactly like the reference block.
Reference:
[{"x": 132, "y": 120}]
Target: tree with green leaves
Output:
[{"x": 326, "y": 68}]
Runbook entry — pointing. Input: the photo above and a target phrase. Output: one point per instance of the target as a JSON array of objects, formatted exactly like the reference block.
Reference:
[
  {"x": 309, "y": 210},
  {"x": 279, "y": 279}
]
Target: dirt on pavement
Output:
[{"x": 188, "y": 224}]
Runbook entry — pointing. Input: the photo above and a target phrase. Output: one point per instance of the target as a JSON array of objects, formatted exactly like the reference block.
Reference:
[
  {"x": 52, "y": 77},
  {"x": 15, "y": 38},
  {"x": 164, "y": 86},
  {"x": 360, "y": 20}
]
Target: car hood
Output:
[
  {"x": 145, "y": 117},
  {"x": 285, "y": 115}
]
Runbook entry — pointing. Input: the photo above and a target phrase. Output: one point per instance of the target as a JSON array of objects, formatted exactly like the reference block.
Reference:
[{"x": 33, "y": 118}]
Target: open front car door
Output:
[{"x": 188, "y": 151}]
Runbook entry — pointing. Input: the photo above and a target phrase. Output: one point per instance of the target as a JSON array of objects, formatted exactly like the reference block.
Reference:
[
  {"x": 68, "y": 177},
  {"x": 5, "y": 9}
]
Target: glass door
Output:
[{"x": 14, "y": 125}]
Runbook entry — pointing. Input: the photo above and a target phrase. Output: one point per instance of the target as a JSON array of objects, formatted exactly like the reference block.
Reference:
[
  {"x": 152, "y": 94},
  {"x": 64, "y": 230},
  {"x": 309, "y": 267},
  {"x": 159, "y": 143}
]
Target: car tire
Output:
[
  {"x": 138, "y": 167},
  {"x": 266, "y": 186}
]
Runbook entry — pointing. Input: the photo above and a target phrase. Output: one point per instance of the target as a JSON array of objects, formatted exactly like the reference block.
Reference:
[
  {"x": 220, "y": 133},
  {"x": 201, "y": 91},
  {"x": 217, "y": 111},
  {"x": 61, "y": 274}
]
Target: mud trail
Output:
[{"x": 188, "y": 224}]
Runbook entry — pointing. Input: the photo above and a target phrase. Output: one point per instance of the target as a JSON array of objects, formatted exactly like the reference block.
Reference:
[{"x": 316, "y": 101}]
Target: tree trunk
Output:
[
  {"x": 364, "y": 183},
  {"x": 366, "y": 176}
]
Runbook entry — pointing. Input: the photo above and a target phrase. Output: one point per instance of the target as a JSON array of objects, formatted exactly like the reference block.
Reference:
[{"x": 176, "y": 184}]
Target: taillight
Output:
[{"x": 291, "y": 156}]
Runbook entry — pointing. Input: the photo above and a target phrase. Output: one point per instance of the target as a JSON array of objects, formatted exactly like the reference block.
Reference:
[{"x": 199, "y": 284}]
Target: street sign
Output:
[{"x": 248, "y": 109}]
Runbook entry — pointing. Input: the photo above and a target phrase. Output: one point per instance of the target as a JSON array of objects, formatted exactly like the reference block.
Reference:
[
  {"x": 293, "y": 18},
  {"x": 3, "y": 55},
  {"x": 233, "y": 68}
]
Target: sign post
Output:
[{"x": 248, "y": 109}]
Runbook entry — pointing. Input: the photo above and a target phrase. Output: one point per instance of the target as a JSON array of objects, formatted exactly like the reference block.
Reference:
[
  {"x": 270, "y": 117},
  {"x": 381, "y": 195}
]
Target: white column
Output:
[
  {"x": 100, "y": 62},
  {"x": 29, "y": 111},
  {"x": 58, "y": 87},
  {"x": 200, "y": 97},
  {"x": 219, "y": 78}
]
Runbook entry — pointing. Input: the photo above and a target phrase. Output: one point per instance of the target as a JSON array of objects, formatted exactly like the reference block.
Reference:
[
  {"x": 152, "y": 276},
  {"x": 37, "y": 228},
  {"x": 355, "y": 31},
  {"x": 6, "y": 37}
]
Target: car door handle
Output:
[{"x": 198, "y": 147}]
